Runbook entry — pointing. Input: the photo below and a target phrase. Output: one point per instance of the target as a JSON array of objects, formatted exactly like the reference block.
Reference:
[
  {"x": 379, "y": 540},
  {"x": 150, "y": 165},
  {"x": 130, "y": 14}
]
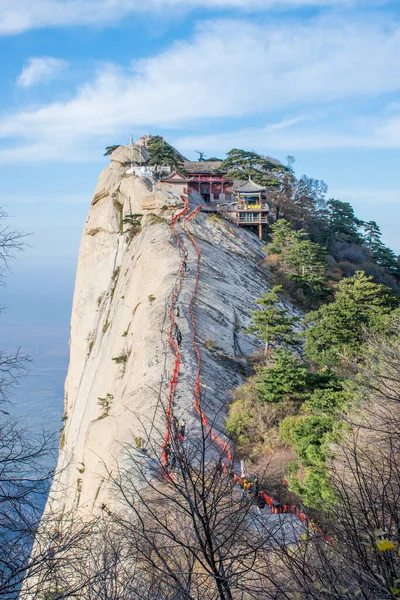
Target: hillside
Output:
[
  {"x": 121, "y": 361},
  {"x": 183, "y": 330}
]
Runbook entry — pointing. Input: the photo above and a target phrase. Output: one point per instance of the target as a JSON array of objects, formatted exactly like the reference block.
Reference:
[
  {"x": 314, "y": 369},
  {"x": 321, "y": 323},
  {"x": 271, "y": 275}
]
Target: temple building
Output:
[
  {"x": 203, "y": 177},
  {"x": 252, "y": 208},
  {"x": 243, "y": 203},
  {"x": 175, "y": 183}
]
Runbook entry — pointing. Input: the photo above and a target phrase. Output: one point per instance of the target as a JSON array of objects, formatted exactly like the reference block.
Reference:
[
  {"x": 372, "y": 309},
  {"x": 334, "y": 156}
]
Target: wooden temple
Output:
[
  {"x": 243, "y": 202},
  {"x": 203, "y": 177},
  {"x": 252, "y": 208}
]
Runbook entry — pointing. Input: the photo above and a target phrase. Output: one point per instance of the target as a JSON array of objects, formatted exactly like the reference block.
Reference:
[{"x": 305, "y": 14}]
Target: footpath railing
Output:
[
  {"x": 226, "y": 451},
  {"x": 197, "y": 405},
  {"x": 175, "y": 293}
]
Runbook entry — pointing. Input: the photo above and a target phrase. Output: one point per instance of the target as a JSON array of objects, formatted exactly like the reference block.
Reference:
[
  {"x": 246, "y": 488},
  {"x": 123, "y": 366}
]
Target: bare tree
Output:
[
  {"x": 24, "y": 477},
  {"x": 191, "y": 530},
  {"x": 23, "y": 487},
  {"x": 358, "y": 554},
  {"x": 298, "y": 200}
]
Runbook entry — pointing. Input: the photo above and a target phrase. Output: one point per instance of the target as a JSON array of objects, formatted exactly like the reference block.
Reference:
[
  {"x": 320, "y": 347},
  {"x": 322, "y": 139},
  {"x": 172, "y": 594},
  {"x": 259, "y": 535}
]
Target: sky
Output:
[{"x": 317, "y": 79}]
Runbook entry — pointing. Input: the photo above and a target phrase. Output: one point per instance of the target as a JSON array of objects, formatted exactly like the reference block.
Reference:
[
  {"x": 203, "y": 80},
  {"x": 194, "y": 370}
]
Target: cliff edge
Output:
[{"x": 132, "y": 265}]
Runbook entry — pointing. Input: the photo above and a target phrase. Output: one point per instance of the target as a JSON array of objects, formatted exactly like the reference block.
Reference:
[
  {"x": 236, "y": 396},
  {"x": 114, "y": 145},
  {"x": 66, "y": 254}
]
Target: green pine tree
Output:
[
  {"x": 306, "y": 262},
  {"x": 161, "y": 154},
  {"x": 343, "y": 224},
  {"x": 242, "y": 164},
  {"x": 372, "y": 236},
  {"x": 386, "y": 258},
  {"x": 284, "y": 380},
  {"x": 335, "y": 330},
  {"x": 110, "y": 149},
  {"x": 282, "y": 236},
  {"x": 272, "y": 323},
  {"x": 301, "y": 260}
]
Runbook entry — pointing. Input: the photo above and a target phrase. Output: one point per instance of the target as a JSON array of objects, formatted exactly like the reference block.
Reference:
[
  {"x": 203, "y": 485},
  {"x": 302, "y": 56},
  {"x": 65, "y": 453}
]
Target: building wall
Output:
[
  {"x": 175, "y": 188},
  {"x": 214, "y": 193}
]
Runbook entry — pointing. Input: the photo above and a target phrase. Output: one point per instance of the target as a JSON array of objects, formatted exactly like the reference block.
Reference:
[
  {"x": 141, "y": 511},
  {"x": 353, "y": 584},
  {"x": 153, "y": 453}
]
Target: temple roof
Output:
[
  {"x": 249, "y": 187},
  {"x": 202, "y": 167},
  {"x": 174, "y": 177}
]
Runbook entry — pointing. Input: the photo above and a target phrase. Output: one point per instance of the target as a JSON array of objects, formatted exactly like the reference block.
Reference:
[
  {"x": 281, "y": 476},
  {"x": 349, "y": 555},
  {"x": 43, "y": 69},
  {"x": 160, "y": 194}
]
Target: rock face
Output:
[{"x": 121, "y": 361}]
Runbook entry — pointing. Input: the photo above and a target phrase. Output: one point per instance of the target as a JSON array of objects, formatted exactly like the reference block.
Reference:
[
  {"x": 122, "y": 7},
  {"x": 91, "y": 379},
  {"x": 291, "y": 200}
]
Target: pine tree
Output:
[
  {"x": 272, "y": 323},
  {"x": 242, "y": 164},
  {"x": 386, "y": 258},
  {"x": 282, "y": 235},
  {"x": 335, "y": 330},
  {"x": 161, "y": 153},
  {"x": 343, "y": 224},
  {"x": 285, "y": 379},
  {"x": 110, "y": 149},
  {"x": 306, "y": 262},
  {"x": 301, "y": 260},
  {"x": 372, "y": 236}
]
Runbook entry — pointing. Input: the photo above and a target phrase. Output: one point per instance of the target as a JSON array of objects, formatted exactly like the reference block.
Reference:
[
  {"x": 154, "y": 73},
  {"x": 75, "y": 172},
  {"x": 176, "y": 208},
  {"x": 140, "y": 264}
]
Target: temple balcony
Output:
[{"x": 252, "y": 218}]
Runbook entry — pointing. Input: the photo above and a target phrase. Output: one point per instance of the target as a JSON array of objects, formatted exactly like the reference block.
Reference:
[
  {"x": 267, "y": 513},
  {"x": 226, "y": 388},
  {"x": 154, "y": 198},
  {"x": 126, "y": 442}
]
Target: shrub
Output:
[
  {"x": 134, "y": 222},
  {"x": 121, "y": 359},
  {"x": 326, "y": 401},
  {"x": 239, "y": 422},
  {"x": 348, "y": 252},
  {"x": 307, "y": 434},
  {"x": 284, "y": 380},
  {"x": 100, "y": 299},
  {"x": 105, "y": 404},
  {"x": 253, "y": 425},
  {"x": 156, "y": 219},
  {"x": 211, "y": 345}
]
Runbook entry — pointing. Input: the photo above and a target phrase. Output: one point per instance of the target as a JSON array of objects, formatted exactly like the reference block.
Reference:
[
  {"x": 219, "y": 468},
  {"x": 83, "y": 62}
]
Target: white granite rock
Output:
[{"x": 123, "y": 286}]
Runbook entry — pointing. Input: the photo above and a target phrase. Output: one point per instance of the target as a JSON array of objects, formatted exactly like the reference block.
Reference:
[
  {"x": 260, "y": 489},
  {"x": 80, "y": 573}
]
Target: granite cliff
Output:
[{"x": 121, "y": 361}]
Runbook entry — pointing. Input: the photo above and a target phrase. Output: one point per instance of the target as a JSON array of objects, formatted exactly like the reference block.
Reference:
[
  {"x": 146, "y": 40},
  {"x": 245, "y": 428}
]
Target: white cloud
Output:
[
  {"x": 378, "y": 132},
  {"x": 40, "y": 69},
  {"x": 22, "y": 15},
  {"x": 230, "y": 69}
]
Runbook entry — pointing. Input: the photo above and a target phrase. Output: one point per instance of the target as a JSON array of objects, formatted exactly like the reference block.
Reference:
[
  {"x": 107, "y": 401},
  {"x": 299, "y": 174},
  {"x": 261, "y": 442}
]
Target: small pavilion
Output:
[{"x": 252, "y": 208}]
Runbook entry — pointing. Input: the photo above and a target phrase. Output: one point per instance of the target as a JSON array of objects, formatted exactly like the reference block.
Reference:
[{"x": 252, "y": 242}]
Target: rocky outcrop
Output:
[
  {"x": 135, "y": 153},
  {"x": 120, "y": 360}
]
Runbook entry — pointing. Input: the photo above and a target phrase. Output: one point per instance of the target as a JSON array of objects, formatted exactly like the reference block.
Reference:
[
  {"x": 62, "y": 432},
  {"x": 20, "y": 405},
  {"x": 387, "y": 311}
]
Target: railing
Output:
[
  {"x": 207, "y": 178},
  {"x": 249, "y": 219}
]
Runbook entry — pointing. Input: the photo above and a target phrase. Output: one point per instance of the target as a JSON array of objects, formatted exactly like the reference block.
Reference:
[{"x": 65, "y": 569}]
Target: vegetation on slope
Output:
[
  {"x": 161, "y": 154},
  {"x": 196, "y": 535},
  {"x": 307, "y": 392},
  {"x": 335, "y": 267}
]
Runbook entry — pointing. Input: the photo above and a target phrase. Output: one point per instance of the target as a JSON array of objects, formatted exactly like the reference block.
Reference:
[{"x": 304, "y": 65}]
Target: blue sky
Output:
[{"x": 317, "y": 79}]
